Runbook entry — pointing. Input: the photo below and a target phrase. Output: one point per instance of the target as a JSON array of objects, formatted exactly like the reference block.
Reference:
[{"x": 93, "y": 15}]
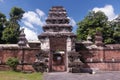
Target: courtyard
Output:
[{"x": 104, "y": 75}]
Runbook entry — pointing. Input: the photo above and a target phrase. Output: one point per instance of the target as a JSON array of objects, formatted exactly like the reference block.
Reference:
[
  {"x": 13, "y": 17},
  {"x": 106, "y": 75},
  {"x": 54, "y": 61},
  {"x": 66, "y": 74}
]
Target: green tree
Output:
[
  {"x": 11, "y": 32},
  {"x": 92, "y": 22},
  {"x": 115, "y": 24},
  {"x": 2, "y": 23},
  {"x": 16, "y": 14}
]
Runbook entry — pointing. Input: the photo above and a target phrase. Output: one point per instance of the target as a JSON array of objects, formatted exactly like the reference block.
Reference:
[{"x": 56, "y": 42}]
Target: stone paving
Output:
[{"x": 111, "y": 75}]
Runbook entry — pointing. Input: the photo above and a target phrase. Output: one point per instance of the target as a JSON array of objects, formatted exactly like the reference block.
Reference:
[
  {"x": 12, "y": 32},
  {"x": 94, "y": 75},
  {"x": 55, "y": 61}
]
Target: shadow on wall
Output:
[{"x": 85, "y": 54}]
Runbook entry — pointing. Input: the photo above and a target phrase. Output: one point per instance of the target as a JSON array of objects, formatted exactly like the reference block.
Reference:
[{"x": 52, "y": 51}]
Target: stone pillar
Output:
[
  {"x": 68, "y": 49},
  {"x": 67, "y": 68},
  {"x": 98, "y": 39},
  {"x": 69, "y": 44},
  {"x": 45, "y": 44}
]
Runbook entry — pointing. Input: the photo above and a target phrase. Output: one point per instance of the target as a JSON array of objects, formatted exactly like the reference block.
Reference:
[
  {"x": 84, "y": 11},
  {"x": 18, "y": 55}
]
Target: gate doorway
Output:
[{"x": 58, "y": 62}]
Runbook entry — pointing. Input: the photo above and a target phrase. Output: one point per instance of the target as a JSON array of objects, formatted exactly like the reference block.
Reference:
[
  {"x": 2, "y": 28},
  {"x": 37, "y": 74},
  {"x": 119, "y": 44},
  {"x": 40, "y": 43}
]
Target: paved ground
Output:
[{"x": 82, "y": 76}]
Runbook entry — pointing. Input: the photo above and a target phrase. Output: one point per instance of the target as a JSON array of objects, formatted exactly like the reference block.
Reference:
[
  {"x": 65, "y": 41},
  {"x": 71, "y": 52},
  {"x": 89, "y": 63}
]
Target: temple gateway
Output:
[
  {"x": 58, "y": 51},
  {"x": 57, "y": 38}
]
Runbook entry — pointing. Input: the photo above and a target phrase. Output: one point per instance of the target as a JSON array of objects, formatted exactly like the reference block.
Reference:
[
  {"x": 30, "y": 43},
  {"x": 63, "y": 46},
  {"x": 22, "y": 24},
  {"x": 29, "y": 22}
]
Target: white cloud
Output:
[
  {"x": 33, "y": 20},
  {"x": 30, "y": 34},
  {"x": 72, "y": 21},
  {"x": 108, "y": 10},
  {"x": 40, "y": 12},
  {"x": 28, "y": 24}
]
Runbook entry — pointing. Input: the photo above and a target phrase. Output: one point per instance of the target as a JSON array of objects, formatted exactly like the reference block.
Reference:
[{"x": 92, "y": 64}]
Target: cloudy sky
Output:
[{"x": 36, "y": 11}]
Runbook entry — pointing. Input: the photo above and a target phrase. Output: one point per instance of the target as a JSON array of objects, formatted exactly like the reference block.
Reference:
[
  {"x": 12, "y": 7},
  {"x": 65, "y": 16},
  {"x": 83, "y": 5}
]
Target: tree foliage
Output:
[
  {"x": 2, "y": 17},
  {"x": 11, "y": 31},
  {"x": 116, "y": 30},
  {"x": 2, "y": 22},
  {"x": 92, "y": 22},
  {"x": 16, "y": 14}
]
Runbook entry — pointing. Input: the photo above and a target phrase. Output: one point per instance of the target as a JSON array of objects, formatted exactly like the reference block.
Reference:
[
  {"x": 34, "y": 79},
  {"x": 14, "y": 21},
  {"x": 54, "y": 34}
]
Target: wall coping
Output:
[{"x": 14, "y": 46}]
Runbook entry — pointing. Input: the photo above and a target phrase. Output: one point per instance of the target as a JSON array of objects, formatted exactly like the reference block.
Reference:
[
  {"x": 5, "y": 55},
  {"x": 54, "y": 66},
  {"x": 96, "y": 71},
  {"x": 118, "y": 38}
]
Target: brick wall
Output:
[
  {"x": 105, "y": 59},
  {"x": 28, "y": 56},
  {"x": 57, "y": 43},
  {"x": 104, "y": 66}
]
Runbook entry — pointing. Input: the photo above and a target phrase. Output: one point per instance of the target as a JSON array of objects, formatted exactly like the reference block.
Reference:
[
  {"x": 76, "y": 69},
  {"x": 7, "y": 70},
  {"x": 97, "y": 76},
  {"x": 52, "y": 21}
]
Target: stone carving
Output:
[
  {"x": 41, "y": 62},
  {"x": 22, "y": 40},
  {"x": 74, "y": 63}
]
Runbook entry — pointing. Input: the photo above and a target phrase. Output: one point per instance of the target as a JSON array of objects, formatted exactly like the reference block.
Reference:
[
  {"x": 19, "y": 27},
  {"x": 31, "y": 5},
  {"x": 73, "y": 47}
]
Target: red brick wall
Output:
[
  {"x": 112, "y": 54},
  {"x": 58, "y": 43},
  {"x": 103, "y": 59},
  {"x": 93, "y": 58},
  {"x": 105, "y": 66},
  {"x": 29, "y": 57}
]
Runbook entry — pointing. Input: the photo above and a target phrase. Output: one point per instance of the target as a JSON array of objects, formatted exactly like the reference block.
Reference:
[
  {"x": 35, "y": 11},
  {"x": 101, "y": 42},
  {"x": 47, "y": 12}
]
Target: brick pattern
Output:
[
  {"x": 29, "y": 57},
  {"x": 58, "y": 43},
  {"x": 102, "y": 59},
  {"x": 104, "y": 66}
]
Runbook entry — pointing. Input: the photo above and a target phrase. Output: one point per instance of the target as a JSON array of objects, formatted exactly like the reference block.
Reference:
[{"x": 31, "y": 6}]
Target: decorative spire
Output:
[
  {"x": 22, "y": 40},
  {"x": 88, "y": 42},
  {"x": 98, "y": 39},
  {"x": 57, "y": 20},
  {"x": 89, "y": 38},
  {"x": 57, "y": 15},
  {"x": 57, "y": 24}
]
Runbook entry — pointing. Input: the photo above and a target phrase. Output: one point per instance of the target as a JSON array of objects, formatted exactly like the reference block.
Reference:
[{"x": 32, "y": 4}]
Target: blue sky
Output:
[{"x": 36, "y": 11}]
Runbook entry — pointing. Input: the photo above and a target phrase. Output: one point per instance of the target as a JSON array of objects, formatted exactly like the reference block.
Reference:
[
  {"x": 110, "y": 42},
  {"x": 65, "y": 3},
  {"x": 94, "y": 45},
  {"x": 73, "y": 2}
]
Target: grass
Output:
[{"x": 11, "y": 75}]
